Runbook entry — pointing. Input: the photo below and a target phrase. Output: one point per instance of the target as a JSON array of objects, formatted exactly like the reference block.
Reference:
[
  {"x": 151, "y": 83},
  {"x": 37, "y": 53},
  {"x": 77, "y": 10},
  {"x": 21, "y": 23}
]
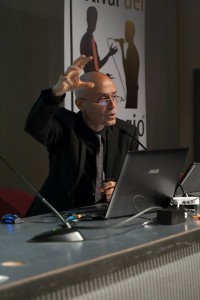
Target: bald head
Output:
[
  {"x": 94, "y": 114},
  {"x": 99, "y": 79}
]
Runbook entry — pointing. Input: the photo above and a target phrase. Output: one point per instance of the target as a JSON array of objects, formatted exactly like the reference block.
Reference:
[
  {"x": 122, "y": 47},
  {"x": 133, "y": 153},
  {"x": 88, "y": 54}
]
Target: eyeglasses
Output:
[{"x": 104, "y": 101}]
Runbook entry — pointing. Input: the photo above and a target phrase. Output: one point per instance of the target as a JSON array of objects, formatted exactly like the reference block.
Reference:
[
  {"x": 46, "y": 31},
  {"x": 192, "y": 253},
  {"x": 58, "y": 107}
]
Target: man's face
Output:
[{"x": 95, "y": 115}]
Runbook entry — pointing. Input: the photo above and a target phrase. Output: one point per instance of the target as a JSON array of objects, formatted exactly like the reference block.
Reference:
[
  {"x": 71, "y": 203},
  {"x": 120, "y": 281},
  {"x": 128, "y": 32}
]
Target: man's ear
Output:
[{"x": 79, "y": 103}]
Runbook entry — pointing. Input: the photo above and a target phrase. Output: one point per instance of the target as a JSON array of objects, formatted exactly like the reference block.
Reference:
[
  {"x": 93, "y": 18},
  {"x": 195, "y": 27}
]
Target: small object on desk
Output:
[
  {"x": 84, "y": 217},
  {"x": 185, "y": 201},
  {"x": 198, "y": 209},
  {"x": 171, "y": 216},
  {"x": 11, "y": 219},
  {"x": 71, "y": 218},
  {"x": 196, "y": 217}
]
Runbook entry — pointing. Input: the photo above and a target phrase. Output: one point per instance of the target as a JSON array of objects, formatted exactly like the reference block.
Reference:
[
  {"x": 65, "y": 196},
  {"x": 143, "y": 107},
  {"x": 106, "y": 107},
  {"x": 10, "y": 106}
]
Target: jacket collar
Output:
[{"x": 111, "y": 134}]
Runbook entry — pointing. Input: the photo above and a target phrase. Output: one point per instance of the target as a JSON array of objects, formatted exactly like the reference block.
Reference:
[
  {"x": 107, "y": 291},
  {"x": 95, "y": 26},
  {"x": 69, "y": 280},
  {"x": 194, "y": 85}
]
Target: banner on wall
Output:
[{"x": 113, "y": 32}]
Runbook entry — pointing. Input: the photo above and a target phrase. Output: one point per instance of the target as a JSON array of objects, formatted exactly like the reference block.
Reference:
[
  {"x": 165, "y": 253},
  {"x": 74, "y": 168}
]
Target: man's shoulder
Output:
[
  {"x": 64, "y": 114},
  {"x": 62, "y": 111}
]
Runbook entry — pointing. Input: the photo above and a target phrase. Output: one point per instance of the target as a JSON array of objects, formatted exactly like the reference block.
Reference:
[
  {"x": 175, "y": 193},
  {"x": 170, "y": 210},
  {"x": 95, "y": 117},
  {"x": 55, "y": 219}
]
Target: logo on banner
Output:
[
  {"x": 88, "y": 45},
  {"x": 111, "y": 31},
  {"x": 130, "y": 58}
]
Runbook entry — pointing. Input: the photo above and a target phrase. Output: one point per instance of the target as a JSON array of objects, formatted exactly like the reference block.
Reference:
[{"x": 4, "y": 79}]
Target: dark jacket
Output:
[{"x": 59, "y": 130}]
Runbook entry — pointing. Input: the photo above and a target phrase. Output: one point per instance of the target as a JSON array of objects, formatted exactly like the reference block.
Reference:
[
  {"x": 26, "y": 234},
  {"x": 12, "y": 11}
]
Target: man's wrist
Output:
[
  {"x": 51, "y": 99},
  {"x": 56, "y": 92}
]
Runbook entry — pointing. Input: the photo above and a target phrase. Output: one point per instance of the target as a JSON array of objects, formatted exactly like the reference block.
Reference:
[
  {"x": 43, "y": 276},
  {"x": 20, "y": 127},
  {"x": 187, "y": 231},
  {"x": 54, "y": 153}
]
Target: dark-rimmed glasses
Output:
[{"x": 104, "y": 101}]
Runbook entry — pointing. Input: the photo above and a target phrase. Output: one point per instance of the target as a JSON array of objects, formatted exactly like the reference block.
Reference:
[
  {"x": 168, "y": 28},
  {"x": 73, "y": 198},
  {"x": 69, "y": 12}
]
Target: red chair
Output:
[{"x": 14, "y": 201}]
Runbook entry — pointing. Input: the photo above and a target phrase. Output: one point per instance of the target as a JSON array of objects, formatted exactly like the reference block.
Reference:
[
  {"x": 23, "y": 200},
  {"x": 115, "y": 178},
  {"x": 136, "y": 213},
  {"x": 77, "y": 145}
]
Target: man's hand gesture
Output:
[{"x": 70, "y": 80}]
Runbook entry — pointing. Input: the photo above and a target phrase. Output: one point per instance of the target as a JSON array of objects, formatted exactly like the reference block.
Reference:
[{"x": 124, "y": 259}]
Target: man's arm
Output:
[
  {"x": 40, "y": 122},
  {"x": 110, "y": 53}
]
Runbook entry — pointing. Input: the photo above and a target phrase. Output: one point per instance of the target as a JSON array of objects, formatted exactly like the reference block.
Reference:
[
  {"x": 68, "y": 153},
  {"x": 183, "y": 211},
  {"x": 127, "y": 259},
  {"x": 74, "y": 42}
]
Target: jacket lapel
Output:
[
  {"x": 81, "y": 146},
  {"x": 111, "y": 148}
]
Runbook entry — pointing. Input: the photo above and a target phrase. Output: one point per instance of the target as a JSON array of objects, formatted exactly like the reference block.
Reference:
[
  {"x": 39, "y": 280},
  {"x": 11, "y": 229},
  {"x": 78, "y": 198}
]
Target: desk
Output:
[{"x": 134, "y": 262}]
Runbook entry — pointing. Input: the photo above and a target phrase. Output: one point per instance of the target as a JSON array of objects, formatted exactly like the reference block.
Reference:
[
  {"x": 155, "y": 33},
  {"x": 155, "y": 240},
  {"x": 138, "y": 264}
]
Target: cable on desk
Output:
[
  {"x": 117, "y": 224},
  {"x": 137, "y": 215},
  {"x": 125, "y": 222}
]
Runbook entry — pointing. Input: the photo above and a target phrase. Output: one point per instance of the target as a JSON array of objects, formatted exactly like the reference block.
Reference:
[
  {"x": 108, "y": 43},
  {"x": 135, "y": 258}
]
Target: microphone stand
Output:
[
  {"x": 131, "y": 135},
  {"x": 65, "y": 234},
  {"x": 179, "y": 185}
]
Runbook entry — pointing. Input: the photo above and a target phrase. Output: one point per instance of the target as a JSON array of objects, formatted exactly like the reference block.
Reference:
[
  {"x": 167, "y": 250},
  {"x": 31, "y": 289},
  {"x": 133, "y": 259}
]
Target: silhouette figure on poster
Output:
[
  {"x": 88, "y": 45},
  {"x": 131, "y": 65}
]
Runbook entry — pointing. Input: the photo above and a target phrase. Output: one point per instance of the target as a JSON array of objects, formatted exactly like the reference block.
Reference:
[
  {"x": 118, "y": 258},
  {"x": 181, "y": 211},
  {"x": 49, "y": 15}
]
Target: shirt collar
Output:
[{"x": 87, "y": 133}]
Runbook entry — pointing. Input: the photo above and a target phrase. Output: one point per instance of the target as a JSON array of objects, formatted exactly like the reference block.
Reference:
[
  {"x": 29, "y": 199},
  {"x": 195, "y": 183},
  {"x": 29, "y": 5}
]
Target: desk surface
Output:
[{"x": 102, "y": 247}]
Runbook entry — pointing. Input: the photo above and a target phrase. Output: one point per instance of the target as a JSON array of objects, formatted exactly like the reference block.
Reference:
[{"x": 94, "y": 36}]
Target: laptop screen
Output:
[{"x": 147, "y": 178}]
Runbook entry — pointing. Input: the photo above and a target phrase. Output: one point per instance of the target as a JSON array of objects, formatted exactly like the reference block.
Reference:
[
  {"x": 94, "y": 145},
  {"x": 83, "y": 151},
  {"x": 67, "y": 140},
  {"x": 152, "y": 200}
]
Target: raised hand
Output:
[
  {"x": 113, "y": 50},
  {"x": 70, "y": 80}
]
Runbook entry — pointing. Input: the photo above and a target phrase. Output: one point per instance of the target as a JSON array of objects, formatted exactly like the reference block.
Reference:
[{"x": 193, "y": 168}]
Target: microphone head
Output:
[
  {"x": 119, "y": 40},
  {"x": 116, "y": 40}
]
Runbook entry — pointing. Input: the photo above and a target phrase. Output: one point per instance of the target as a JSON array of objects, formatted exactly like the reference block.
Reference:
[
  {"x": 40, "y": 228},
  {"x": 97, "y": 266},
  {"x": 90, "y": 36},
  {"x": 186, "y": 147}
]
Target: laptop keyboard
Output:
[{"x": 92, "y": 211}]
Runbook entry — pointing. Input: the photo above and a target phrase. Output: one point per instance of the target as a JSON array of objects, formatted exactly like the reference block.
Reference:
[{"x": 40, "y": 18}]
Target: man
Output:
[
  {"x": 71, "y": 138},
  {"x": 88, "y": 45},
  {"x": 131, "y": 64}
]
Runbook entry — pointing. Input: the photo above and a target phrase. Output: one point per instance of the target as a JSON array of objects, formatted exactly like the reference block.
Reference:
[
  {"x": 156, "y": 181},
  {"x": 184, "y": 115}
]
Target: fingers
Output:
[
  {"x": 71, "y": 77},
  {"x": 86, "y": 84},
  {"x": 81, "y": 61},
  {"x": 72, "y": 70},
  {"x": 78, "y": 64},
  {"x": 70, "y": 80},
  {"x": 108, "y": 188},
  {"x": 72, "y": 74},
  {"x": 113, "y": 50}
]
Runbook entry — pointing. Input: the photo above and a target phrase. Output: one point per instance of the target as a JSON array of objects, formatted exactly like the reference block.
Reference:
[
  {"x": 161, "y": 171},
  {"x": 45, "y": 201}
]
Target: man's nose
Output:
[{"x": 112, "y": 103}]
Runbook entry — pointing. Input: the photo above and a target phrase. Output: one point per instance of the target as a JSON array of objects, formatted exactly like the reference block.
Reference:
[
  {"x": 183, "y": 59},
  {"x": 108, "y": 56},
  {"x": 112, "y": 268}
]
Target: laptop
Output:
[
  {"x": 147, "y": 179},
  {"x": 190, "y": 181}
]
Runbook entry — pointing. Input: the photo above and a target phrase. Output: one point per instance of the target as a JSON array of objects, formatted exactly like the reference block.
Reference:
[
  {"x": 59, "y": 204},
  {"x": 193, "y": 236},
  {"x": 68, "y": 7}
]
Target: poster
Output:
[{"x": 113, "y": 32}]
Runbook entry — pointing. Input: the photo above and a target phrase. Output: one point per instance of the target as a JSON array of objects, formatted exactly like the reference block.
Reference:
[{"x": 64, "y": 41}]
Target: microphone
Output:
[
  {"x": 116, "y": 40},
  {"x": 127, "y": 132},
  {"x": 65, "y": 234}
]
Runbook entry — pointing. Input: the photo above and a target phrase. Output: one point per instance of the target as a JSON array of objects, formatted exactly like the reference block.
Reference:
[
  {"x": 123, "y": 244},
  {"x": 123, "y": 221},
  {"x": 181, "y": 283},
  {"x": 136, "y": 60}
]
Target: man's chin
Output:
[{"x": 110, "y": 123}]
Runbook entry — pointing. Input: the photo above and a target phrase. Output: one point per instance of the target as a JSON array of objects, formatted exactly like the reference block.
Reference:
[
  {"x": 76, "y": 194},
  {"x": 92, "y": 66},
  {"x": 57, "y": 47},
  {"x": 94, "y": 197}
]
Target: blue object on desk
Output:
[{"x": 11, "y": 219}]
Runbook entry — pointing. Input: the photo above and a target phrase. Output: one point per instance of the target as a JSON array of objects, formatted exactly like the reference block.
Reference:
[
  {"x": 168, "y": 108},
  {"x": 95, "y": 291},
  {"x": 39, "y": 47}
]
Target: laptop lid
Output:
[
  {"x": 190, "y": 181},
  {"x": 148, "y": 178}
]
